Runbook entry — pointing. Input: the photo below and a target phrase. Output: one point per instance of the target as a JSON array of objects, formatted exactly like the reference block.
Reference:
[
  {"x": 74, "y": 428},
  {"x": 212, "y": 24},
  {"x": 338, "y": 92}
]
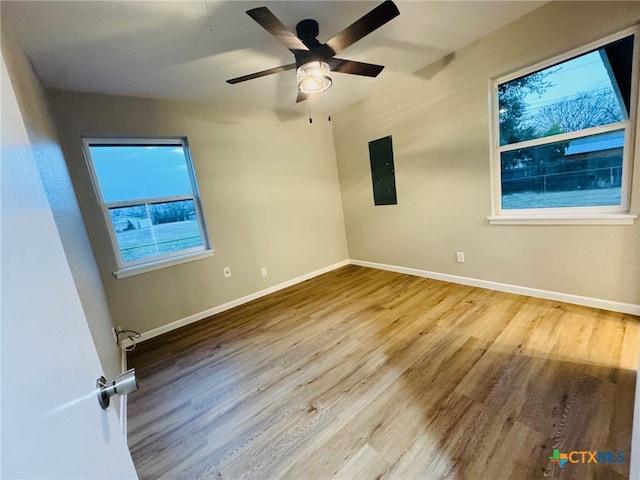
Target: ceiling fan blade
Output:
[
  {"x": 355, "y": 68},
  {"x": 301, "y": 97},
  {"x": 275, "y": 27},
  {"x": 364, "y": 26},
  {"x": 263, "y": 73}
]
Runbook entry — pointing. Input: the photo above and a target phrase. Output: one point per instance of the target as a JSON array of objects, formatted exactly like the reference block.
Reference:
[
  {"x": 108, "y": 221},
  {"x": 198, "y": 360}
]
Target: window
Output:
[
  {"x": 149, "y": 197},
  {"x": 563, "y": 136}
]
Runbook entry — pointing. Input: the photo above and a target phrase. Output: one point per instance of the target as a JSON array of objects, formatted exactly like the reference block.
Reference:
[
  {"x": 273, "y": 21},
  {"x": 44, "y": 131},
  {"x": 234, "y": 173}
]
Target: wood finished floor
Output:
[{"x": 366, "y": 374}]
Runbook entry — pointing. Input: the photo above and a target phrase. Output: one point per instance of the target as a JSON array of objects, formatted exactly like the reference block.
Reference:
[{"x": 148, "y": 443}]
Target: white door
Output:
[{"x": 52, "y": 424}]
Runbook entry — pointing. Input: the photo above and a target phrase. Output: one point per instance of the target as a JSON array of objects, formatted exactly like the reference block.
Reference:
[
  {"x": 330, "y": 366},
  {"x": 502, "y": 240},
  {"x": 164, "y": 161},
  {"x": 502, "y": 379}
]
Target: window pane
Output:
[
  {"x": 587, "y": 91},
  {"x": 131, "y": 172},
  {"x": 156, "y": 229},
  {"x": 577, "y": 173}
]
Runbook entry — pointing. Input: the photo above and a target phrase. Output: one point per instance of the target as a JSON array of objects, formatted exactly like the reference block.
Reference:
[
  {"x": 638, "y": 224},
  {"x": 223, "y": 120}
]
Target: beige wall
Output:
[
  {"x": 270, "y": 196},
  {"x": 64, "y": 206},
  {"x": 439, "y": 122}
]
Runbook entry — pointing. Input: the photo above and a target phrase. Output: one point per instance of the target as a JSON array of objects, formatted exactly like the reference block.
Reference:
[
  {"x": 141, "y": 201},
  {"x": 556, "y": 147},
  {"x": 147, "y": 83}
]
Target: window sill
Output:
[
  {"x": 149, "y": 267},
  {"x": 591, "y": 219}
]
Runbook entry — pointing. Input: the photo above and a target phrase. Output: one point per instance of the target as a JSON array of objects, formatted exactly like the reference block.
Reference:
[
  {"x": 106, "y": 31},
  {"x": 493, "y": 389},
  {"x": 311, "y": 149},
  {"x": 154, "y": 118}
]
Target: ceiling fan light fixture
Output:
[{"x": 313, "y": 77}]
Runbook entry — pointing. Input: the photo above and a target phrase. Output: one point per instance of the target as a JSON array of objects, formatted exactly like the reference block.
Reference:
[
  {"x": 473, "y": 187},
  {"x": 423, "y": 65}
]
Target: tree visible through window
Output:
[
  {"x": 149, "y": 195},
  {"x": 562, "y": 132}
]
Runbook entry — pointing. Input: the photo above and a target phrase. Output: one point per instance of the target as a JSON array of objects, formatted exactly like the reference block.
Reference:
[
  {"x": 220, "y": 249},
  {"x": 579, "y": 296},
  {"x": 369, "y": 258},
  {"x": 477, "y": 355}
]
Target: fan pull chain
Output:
[
  {"x": 328, "y": 107},
  {"x": 326, "y": 101},
  {"x": 206, "y": 5}
]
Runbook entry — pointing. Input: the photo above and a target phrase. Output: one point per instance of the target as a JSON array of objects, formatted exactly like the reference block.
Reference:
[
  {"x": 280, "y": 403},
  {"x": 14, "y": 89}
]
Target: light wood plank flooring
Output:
[{"x": 366, "y": 374}]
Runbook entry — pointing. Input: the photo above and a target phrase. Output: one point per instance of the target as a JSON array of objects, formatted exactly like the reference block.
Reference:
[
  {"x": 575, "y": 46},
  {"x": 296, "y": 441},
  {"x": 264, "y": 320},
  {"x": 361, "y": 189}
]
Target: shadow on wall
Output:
[{"x": 430, "y": 71}]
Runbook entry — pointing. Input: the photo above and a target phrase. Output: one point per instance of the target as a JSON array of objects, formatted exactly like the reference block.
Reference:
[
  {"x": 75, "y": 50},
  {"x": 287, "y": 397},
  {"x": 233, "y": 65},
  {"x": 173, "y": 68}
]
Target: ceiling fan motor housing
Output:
[{"x": 307, "y": 30}]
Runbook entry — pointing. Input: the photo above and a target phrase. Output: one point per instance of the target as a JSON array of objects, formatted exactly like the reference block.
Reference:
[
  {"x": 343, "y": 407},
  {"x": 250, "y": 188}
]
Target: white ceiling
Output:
[{"x": 185, "y": 50}]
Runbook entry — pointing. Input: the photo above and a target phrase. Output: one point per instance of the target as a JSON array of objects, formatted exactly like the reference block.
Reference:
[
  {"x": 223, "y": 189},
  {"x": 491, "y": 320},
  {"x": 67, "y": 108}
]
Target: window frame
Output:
[
  {"x": 618, "y": 214},
  {"x": 128, "y": 268}
]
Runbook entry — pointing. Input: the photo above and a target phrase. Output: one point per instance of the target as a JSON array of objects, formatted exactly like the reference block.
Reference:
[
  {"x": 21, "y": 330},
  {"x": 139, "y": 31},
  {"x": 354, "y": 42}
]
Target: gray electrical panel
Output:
[{"x": 383, "y": 171}]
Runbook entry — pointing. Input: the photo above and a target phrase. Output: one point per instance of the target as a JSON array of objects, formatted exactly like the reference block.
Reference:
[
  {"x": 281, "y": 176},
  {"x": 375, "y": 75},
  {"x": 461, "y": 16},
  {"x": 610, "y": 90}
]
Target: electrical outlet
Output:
[
  {"x": 264, "y": 272},
  {"x": 227, "y": 272},
  {"x": 460, "y": 257}
]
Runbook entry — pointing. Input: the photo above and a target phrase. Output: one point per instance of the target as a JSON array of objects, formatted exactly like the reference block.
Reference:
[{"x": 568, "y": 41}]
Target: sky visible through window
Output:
[
  {"x": 586, "y": 73},
  {"x": 135, "y": 172}
]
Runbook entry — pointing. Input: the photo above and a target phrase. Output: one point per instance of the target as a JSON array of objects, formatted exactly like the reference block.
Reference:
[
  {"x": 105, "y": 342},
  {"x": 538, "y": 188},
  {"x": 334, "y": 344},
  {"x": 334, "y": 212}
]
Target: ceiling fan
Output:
[{"x": 314, "y": 60}]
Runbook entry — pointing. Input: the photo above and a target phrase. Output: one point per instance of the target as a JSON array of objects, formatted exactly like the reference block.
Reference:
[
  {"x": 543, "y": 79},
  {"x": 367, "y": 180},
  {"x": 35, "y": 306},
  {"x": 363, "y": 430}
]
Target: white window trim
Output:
[
  {"x": 586, "y": 219},
  {"x": 607, "y": 215},
  {"x": 127, "y": 269},
  {"x": 151, "y": 266}
]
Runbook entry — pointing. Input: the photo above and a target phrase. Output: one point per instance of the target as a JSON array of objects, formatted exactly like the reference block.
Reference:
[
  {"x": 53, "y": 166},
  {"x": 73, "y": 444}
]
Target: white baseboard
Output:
[
  {"x": 235, "y": 303},
  {"x": 629, "y": 308}
]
